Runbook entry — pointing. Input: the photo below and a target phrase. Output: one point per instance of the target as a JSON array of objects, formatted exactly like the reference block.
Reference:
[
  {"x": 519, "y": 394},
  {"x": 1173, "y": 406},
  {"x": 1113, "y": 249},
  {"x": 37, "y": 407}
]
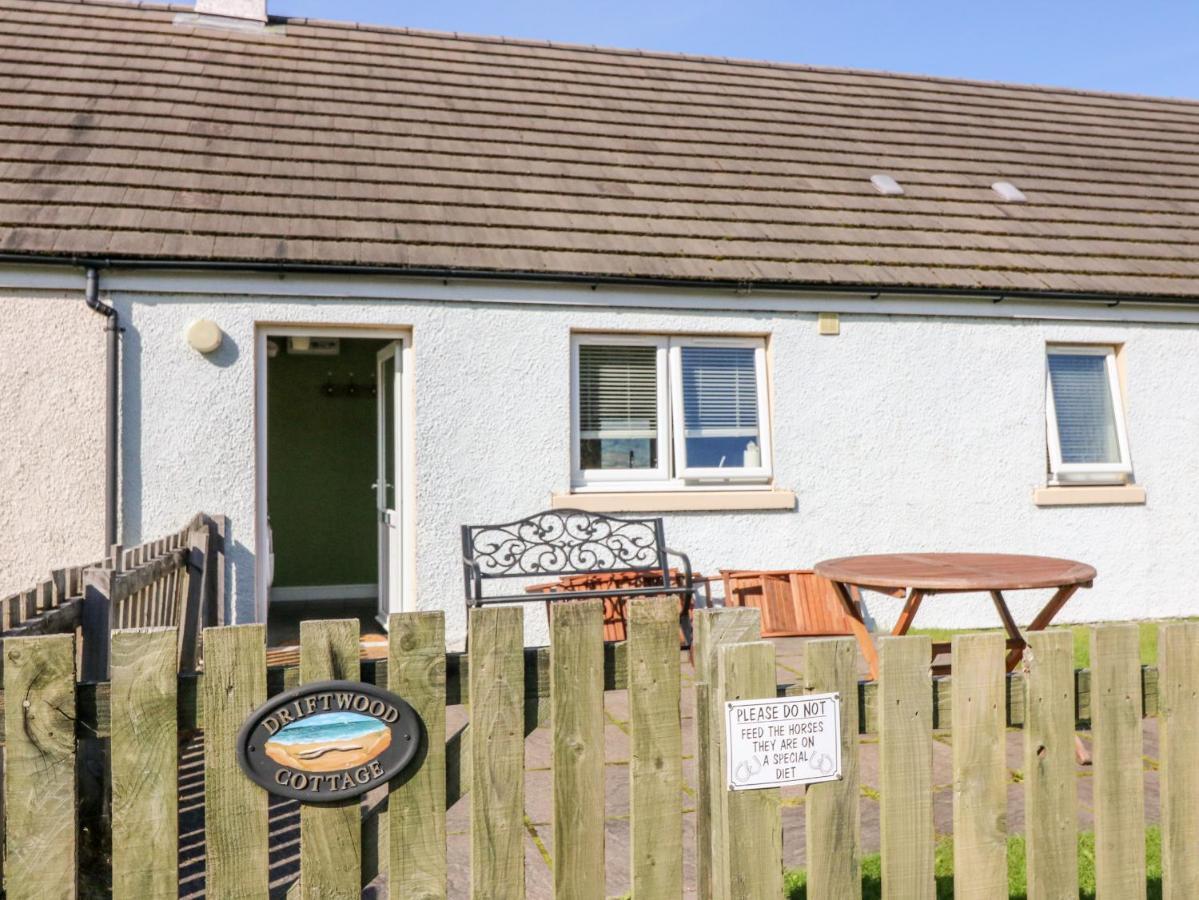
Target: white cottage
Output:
[{"x": 373, "y": 283}]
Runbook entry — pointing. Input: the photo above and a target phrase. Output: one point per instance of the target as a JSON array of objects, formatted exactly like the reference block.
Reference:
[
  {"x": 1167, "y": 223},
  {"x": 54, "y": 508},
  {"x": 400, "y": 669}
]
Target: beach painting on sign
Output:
[{"x": 329, "y": 742}]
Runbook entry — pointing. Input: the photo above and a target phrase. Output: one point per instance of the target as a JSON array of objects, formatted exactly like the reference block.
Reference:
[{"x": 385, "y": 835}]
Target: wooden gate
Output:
[{"x": 168, "y": 757}]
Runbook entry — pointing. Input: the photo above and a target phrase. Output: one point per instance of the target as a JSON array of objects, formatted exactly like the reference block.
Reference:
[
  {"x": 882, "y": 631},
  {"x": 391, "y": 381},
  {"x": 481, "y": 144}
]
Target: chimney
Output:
[{"x": 245, "y": 10}]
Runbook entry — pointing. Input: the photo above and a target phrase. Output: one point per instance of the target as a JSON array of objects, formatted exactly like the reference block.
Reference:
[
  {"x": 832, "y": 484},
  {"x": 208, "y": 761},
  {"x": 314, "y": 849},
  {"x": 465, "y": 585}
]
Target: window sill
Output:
[
  {"x": 1090, "y": 495},
  {"x": 675, "y": 501}
]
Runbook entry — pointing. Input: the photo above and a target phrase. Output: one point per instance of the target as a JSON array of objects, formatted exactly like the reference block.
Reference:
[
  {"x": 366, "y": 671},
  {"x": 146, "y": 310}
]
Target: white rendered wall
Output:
[
  {"x": 51, "y": 434},
  {"x": 902, "y": 433}
]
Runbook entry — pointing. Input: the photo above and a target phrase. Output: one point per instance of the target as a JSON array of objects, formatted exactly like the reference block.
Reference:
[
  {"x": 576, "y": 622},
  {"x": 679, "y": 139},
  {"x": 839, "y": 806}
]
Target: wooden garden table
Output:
[{"x": 922, "y": 574}]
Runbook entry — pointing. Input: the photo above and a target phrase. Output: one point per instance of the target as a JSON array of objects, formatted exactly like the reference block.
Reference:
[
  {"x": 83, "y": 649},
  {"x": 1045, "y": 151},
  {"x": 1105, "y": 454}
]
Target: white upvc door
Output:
[{"x": 389, "y": 478}]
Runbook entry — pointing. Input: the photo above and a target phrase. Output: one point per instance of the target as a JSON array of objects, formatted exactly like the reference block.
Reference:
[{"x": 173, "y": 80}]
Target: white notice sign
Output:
[{"x": 791, "y": 740}]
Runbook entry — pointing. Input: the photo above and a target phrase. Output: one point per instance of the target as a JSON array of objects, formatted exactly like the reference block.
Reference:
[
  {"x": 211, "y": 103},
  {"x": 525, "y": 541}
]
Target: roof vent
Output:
[
  {"x": 249, "y": 10},
  {"x": 1009, "y": 192},
  {"x": 885, "y": 184}
]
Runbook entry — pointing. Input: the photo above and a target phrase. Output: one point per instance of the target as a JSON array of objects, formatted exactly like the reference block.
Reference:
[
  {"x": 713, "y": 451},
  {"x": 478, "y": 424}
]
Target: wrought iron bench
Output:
[{"x": 564, "y": 542}]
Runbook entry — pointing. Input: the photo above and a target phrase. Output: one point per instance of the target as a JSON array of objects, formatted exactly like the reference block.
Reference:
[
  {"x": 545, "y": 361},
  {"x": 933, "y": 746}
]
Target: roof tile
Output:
[{"x": 369, "y": 146}]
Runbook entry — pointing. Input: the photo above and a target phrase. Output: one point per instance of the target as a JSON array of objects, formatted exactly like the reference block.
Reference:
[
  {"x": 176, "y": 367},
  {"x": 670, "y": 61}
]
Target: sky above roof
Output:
[{"x": 1145, "y": 48}]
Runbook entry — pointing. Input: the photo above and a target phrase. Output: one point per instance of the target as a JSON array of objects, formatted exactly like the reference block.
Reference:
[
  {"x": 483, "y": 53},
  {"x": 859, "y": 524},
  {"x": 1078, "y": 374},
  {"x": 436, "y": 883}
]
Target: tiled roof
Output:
[{"x": 126, "y": 134}]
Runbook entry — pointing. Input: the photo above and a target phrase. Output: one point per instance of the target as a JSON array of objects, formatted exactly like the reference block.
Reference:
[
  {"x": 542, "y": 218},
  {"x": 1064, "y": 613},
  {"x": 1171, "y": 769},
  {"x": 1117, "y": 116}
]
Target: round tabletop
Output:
[{"x": 956, "y": 571}]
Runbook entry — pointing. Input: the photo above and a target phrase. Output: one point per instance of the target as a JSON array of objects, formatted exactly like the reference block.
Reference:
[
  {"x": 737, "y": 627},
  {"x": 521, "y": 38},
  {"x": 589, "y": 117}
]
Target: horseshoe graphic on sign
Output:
[
  {"x": 823, "y": 763},
  {"x": 747, "y": 769}
]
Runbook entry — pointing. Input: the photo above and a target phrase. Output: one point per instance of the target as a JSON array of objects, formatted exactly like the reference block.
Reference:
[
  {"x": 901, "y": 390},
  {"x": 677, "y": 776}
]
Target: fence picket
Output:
[
  {"x": 45, "y": 597},
  {"x": 1178, "y": 736},
  {"x": 330, "y": 833},
  {"x": 235, "y": 820},
  {"x": 95, "y": 622},
  {"x": 906, "y": 763},
  {"x": 713, "y": 628},
  {"x": 979, "y": 767},
  {"x": 753, "y": 835},
  {"x": 577, "y": 700},
  {"x": 1119, "y": 771},
  {"x": 39, "y": 783},
  {"x": 497, "y": 753},
  {"x": 1050, "y": 782},
  {"x": 832, "y": 831},
  {"x": 190, "y": 611},
  {"x": 416, "y": 809},
  {"x": 655, "y": 763},
  {"x": 145, "y": 764}
]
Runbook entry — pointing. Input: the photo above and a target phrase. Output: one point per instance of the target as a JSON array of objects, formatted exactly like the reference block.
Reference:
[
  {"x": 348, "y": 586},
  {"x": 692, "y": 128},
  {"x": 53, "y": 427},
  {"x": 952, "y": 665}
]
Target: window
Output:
[
  {"x": 660, "y": 412},
  {"x": 1084, "y": 415}
]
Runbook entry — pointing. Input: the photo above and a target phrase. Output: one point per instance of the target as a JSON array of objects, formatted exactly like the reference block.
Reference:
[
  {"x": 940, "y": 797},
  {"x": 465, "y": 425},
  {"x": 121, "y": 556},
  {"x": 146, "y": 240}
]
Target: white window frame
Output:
[
  {"x": 732, "y": 474},
  {"x": 671, "y": 473},
  {"x": 620, "y": 478},
  {"x": 1087, "y": 473}
]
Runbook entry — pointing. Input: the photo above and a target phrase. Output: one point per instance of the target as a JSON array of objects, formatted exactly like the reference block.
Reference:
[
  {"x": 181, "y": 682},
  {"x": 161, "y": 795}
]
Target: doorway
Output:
[{"x": 332, "y": 481}]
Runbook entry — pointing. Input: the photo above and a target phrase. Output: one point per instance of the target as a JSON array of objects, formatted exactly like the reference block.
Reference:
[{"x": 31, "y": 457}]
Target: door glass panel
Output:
[{"x": 387, "y": 388}]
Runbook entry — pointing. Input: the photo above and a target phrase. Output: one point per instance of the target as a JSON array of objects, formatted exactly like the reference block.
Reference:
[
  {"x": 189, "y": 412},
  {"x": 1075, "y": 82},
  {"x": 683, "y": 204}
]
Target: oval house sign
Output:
[{"x": 328, "y": 740}]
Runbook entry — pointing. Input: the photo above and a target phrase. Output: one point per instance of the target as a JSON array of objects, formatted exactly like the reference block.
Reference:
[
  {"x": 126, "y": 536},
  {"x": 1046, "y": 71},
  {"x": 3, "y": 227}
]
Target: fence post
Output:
[
  {"x": 330, "y": 833},
  {"x": 1050, "y": 782},
  {"x": 95, "y": 622},
  {"x": 497, "y": 753},
  {"x": 752, "y": 837},
  {"x": 833, "y": 831},
  {"x": 416, "y": 807},
  {"x": 1119, "y": 769},
  {"x": 235, "y": 821},
  {"x": 656, "y": 738},
  {"x": 577, "y": 702},
  {"x": 713, "y": 628},
  {"x": 214, "y": 604},
  {"x": 191, "y": 607},
  {"x": 39, "y": 783},
  {"x": 905, "y": 716},
  {"x": 1178, "y": 735},
  {"x": 979, "y": 767},
  {"x": 145, "y": 764}
]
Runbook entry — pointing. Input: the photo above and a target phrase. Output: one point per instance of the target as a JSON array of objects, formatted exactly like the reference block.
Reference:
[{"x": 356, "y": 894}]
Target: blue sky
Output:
[{"x": 1149, "y": 47}]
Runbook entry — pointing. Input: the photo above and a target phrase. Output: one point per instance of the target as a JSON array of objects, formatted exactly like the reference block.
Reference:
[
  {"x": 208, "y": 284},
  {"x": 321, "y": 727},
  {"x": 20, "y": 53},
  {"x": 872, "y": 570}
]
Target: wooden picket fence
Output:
[
  {"x": 49, "y": 607},
  {"x": 399, "y": 837},
  {"x": 175, "y": 580}
]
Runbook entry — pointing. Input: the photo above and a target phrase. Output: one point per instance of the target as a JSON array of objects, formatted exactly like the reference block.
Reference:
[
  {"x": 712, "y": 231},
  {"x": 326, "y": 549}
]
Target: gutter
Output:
[
  {"x": 871, "y": 291},
  {"x": 112, "y": 400}
]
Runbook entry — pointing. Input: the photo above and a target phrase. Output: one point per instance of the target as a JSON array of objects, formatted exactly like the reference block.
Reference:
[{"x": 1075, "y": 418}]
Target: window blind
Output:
[
  {"x": 618, "y": 391},
  {"x": 720, "y": 392},
  {"x": 1082, "y": 401}
]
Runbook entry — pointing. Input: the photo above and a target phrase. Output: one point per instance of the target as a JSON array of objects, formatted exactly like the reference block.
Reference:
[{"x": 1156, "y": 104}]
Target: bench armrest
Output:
[
  {"x": 473, "y": 577},
  {"x": 685, "y": 565}
]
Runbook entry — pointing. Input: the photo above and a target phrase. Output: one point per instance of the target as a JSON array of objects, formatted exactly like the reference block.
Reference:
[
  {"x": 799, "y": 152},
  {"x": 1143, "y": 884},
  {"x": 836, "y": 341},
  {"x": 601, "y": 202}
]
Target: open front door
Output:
[{"x": 388, "y": 480}]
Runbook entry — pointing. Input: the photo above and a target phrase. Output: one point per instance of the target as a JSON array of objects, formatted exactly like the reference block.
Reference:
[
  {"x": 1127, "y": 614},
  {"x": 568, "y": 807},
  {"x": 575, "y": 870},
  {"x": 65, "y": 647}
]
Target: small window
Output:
[
  {"x": 1084, "y": 414},
  {"x": 658, "y": 412}
]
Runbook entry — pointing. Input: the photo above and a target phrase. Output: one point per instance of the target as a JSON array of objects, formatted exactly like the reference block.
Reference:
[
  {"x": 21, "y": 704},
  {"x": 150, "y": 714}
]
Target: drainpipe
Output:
[{"x": 112, "y": 410}]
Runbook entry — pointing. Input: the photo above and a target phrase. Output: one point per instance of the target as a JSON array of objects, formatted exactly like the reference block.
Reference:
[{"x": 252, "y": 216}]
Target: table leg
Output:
[
  {"x": 1016, "y": 644},
  {"x": 858, "y": 626},
  {"x": 1053, "y": 607},
  {"x": 908, "y": 613}
]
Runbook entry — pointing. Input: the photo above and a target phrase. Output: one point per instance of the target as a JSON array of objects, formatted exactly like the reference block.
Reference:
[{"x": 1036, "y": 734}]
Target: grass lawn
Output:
[
  {"x": 794, "y": 885},
  {"x": 1082, "y": 641}
]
